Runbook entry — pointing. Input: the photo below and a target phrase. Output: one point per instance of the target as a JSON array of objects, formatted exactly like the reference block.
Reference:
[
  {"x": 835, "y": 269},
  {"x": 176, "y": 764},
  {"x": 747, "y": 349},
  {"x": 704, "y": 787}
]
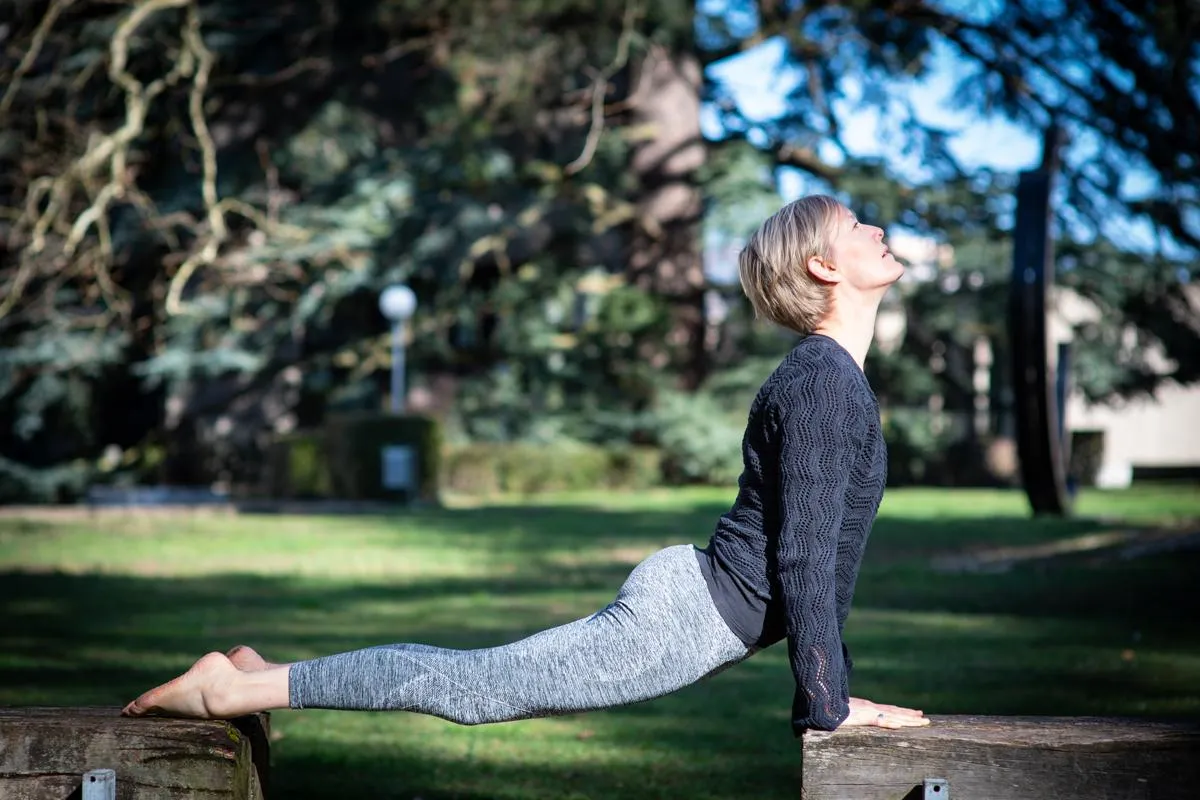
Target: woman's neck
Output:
[{"x": 853, "y": 332}]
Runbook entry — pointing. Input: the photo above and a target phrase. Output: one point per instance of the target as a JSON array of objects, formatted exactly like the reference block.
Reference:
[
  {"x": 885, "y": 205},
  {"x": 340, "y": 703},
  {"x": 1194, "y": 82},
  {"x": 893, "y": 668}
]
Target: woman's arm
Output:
[{"x": 821, "y": 430}]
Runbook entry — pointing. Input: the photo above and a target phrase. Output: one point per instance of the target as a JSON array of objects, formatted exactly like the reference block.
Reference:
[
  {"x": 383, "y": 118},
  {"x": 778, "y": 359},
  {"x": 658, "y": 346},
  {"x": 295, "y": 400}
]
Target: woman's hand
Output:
[{"x": 864, "y": 713}]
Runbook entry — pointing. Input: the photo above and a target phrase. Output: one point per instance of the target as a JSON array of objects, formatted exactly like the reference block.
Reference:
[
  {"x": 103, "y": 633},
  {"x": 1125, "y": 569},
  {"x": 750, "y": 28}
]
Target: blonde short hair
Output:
[{"x": 773, "y": 267}]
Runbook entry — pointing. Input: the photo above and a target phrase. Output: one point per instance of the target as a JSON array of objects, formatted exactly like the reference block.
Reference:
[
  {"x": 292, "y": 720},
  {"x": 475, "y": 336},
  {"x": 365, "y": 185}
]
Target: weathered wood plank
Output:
[
  {"x": 44, "y": 753},
  {"x": 1008, "y": 758}
]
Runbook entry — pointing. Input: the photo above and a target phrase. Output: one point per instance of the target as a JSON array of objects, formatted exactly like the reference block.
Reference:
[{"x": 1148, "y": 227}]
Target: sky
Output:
[
  {"x": 760, "y": 79},
  {"x": 974, "y": 145}
]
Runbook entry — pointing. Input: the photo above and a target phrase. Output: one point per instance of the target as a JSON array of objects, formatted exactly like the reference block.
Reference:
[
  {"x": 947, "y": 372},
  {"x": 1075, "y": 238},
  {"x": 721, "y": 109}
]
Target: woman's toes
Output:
[{"x": 247, "y": 659}]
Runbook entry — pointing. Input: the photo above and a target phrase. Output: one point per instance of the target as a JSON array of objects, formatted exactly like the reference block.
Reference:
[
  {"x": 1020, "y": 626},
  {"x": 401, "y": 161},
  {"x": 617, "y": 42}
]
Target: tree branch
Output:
[
  {"x": 35, "y": 48},
  {"x": 600, "y": 89},
  {"x": 774, "y": 20},
  {"x": 111, "y": 149},
  {"x": 805, "y": 158},
  {"x": 217, "y": 231}
]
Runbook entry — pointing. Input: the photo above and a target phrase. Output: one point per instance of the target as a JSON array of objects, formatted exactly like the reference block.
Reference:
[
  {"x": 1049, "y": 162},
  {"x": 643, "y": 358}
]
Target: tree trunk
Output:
[{"x": 666, "y": 257}]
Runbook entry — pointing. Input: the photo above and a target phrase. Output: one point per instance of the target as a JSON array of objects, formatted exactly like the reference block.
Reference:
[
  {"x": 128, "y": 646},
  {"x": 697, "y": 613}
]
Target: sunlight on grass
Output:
[{"x": 100, "y": 607}]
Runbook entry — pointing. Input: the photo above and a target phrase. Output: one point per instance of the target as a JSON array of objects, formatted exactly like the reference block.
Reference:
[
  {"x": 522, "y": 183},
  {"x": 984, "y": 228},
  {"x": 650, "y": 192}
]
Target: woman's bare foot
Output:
[
  {"x": 214, "y": 688},
  {"x": 247, "y": 659},
  {"x": 201, "y": 693}
]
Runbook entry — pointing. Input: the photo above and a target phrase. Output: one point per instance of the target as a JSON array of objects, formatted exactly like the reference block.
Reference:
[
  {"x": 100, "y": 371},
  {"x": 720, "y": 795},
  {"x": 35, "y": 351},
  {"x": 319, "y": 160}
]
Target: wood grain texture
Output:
[
  {"x": 45, "y": 751},
  {"x": 1008, "y": 758}
]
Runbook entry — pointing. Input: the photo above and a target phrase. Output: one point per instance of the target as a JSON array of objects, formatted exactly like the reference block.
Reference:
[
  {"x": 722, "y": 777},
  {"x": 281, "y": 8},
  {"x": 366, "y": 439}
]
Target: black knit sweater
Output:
[{"x": 784, "y": 560}]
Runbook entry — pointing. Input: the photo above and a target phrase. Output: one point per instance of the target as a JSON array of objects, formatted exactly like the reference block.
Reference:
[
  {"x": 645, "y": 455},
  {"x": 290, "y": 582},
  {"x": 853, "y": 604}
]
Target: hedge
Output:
[
  {"x": 344, "y": 460},
  {"x": 523, "y": 468}
]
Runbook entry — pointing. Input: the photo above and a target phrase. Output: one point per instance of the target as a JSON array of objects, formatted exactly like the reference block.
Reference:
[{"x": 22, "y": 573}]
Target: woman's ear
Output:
[{"x": 823, "y": 270}]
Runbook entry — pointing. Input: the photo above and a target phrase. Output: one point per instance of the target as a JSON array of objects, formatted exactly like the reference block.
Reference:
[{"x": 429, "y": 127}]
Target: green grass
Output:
[{"x": 97, "y": 609}]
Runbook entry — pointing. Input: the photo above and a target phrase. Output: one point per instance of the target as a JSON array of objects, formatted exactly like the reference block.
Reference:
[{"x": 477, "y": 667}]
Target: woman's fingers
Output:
[
  {"x": 858, "y": 703},
  {"x": 864, "y": 713},
  {"x": 889, "y": 709},
  {"x": 894, "y": 721}
]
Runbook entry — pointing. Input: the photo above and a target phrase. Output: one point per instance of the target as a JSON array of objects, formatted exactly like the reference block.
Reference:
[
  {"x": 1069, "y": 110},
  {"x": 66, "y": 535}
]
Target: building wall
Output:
[
  {"x": 1163, "y": 431},
  {"x": 1158, "y": 431}
]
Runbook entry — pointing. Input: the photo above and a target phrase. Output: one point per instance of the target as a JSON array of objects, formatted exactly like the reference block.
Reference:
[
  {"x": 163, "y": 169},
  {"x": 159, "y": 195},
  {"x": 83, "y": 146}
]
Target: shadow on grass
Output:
[
  {"x": 896, "y": 573},
  {"x": 534, "y": 529},
  {"x": 102, "y": 639},
  {"x": 1027, "y": 642}
]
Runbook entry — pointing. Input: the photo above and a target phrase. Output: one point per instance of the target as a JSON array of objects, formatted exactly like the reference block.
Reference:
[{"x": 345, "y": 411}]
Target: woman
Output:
[{"x": 782, "y": 562}]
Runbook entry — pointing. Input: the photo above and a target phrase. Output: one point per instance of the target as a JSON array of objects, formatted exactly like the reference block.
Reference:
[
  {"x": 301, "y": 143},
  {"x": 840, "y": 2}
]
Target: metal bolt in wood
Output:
[
  {"x": 100, "y": 784},
  {"x": 937, "y": 789}
]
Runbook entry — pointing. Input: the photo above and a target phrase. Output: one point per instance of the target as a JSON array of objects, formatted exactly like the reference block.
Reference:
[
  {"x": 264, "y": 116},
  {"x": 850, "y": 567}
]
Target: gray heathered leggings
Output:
[{"x": 660, "y": 634}]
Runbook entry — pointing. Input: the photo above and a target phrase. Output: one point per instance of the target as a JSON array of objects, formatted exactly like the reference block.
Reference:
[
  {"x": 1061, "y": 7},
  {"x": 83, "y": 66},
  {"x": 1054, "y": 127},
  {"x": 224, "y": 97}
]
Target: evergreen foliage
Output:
[{"x": 200, "y": 201}]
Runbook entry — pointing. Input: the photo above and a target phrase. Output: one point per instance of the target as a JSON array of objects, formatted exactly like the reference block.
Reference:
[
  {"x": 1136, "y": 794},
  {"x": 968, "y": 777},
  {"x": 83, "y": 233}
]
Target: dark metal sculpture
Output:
[{"x": 1038, "y": 397}]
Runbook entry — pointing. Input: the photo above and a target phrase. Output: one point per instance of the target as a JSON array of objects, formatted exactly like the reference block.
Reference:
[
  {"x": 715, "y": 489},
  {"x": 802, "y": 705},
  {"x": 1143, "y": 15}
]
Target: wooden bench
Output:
[
  {"x": 45, "y": 752},
  {"x": 1006, "y": 758}
]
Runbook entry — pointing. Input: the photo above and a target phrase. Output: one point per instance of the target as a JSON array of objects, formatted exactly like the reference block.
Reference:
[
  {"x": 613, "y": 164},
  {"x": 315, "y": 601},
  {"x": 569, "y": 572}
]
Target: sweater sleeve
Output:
[{"x": 821, "y": 431}]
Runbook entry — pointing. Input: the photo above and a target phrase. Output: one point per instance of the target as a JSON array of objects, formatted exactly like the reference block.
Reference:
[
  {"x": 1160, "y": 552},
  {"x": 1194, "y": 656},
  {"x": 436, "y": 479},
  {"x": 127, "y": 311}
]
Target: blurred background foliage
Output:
[{"x": 200, "y": 201}]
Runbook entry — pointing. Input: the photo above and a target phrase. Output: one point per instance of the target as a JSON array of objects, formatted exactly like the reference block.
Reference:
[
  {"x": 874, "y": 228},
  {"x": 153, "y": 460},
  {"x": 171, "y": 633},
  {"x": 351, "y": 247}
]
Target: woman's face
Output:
[{"x": 859, "y": 254}]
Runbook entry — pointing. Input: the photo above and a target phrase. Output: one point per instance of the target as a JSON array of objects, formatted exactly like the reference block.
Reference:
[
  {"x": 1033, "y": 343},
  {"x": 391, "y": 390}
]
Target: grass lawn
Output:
[{"x": 96, "y": 609}]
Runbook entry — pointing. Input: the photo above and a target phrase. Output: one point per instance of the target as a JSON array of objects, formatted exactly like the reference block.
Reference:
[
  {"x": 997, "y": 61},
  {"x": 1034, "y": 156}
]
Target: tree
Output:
[
  {"x": 200, "y": 200},
  {"x": 207, "y": 223},
  {"x": 1122, "y": 78}
]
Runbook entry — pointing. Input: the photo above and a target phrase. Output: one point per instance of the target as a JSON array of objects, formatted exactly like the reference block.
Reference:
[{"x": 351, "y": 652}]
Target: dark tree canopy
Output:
[{"x": 200, "y": 200}]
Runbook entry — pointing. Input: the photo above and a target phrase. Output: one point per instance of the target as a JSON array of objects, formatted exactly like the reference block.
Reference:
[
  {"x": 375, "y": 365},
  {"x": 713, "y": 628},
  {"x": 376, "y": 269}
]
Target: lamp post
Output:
[{"x": 397, "y": 303}]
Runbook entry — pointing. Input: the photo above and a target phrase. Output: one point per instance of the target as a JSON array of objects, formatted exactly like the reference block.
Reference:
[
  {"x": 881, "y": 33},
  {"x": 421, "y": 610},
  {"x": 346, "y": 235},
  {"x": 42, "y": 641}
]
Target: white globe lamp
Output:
[{"x": 398, "y": 303}]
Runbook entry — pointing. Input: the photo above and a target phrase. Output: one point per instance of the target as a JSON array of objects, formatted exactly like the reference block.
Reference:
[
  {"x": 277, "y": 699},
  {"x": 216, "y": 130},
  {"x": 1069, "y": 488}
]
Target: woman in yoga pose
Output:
[{"x": 781, "y": 564}]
